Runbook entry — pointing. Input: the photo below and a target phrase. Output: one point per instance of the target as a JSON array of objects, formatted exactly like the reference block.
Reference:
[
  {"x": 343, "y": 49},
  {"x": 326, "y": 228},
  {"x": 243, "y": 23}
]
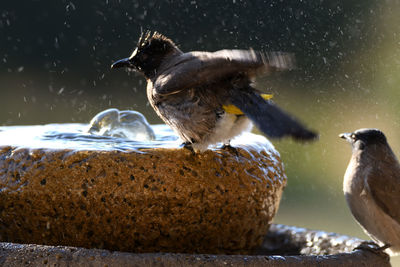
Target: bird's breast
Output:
[{"x": 353, "y": 182}]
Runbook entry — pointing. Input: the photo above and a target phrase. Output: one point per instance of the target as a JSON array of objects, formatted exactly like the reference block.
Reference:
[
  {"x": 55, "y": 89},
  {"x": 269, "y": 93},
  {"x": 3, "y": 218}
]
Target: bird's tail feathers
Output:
[{"x": 268, "y": 117}]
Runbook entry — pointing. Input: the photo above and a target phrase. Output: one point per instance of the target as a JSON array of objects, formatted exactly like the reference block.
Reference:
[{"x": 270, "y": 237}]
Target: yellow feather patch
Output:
[{"x": 232, "y": 109}]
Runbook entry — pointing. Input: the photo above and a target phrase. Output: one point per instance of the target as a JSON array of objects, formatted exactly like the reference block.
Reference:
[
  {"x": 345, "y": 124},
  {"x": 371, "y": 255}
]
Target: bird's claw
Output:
[
  {"x": 188, "y": 146},
  {"x": 373, "y": 247},
  {"x": 230, "y": 148}
]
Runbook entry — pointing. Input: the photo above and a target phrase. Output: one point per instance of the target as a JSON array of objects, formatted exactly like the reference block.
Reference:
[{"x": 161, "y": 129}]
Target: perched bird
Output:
[
  {"x": 372, "y": 187},
  {"x": 207, "y": 97}
]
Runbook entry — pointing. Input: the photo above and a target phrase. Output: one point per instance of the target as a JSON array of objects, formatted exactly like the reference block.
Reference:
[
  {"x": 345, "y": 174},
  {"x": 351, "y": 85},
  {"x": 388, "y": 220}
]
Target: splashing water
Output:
[
  {"x": 111, "y": 130},
  {"x": 127, "y": 124}
]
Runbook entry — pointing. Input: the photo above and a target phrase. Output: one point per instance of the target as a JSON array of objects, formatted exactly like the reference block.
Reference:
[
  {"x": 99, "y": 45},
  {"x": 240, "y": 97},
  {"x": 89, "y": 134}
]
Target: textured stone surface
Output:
[
  {"x": 147, "y": 200},
  {"x": 295, "y": 247}
]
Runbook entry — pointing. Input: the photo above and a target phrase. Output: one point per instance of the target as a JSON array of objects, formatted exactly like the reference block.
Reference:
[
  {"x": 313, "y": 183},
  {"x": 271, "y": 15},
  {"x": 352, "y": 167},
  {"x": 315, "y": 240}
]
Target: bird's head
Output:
[
  {"x": 363, "y": 138},
  {"x": 151, "y": 50}
]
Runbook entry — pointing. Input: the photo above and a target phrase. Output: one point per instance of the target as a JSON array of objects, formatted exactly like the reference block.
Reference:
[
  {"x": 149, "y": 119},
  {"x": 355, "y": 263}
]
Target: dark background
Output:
[
  {"x": 56, "y": 54},
  {"x": 55, "y": 61}
]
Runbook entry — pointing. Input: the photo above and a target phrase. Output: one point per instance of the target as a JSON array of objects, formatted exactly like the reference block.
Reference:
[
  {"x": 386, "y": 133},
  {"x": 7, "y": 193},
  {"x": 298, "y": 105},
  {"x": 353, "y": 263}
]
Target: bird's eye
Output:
[
  {"x": 143, "y": 56},
  {"x": 353, "y": 136}
]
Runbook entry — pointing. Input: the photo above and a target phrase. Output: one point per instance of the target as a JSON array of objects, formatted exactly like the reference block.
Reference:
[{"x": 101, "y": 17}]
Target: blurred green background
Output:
[{"x": 55, "y": 57}]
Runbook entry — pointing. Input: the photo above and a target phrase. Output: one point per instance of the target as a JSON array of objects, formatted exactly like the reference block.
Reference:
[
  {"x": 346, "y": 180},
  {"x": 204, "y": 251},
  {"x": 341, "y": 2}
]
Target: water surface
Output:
[{"x": 75, "y": 136}]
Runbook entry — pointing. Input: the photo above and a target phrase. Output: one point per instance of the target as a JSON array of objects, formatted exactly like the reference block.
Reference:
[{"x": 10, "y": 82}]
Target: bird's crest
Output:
[{"x": 155, "y": 39}]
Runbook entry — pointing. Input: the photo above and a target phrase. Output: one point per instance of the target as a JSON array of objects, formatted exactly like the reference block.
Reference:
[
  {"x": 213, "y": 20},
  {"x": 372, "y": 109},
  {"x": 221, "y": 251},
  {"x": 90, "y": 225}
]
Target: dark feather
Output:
[
  {"x": 268, "y": 117},
  {"x": 194, "y": 69},
  {"x": 383, "y": 182}
]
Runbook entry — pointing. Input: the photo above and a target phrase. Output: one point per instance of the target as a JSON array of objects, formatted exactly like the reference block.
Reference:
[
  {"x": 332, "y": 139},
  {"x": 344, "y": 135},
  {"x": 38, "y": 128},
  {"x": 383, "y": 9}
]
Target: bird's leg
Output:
[
  {"x": 188, "y": 146},
  {"x": 227, "y": 146},
  {"x": 372, "y": 247}
]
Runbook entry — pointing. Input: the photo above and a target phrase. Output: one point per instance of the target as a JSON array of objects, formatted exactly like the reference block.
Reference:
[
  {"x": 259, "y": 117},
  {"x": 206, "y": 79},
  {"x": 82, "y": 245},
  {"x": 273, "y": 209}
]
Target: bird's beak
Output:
[
  {"x": 346, "y": 136},
  {"x": 125, "y": 62}
]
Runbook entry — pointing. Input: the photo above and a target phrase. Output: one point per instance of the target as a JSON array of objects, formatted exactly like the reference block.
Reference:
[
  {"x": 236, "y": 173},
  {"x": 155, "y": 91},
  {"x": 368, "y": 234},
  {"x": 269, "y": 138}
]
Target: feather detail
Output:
[{"x": 232, "y": 109}]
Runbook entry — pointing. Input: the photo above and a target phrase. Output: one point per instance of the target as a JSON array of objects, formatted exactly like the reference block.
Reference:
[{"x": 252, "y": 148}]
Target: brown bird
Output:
[
  {"x": 207, "y": 97},
  {"x": 372, "y": 187}
]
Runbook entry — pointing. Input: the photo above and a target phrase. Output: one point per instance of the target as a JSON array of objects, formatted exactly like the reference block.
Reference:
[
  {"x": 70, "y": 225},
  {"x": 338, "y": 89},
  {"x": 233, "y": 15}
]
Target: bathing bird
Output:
[
  {"x": 208, "y": 97},
  {"x": 372, "y": 187}
]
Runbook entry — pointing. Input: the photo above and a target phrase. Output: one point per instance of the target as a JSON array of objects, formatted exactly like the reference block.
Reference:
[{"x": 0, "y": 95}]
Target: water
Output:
[
  {"x": 126, "y": 124},
  {"x": 75, "y": 136}
]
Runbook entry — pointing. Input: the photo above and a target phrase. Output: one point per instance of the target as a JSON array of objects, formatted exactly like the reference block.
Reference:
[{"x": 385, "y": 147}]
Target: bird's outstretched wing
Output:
[
  {"x": 383, "y": 183},
  {"x": 268, "y": 117},
  {"x": 201, "y": 68}
]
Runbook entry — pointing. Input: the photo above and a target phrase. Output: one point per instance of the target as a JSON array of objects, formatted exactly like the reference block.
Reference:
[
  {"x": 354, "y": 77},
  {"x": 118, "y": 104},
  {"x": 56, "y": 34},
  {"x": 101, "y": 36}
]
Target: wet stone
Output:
[{"x": 132, "y": 197}]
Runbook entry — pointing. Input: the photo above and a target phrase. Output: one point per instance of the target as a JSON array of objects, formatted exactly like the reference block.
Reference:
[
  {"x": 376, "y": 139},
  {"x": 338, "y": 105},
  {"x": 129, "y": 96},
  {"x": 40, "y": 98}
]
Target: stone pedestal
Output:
[
  {"x": 140, "y": 200},
  {"x": 284, "y": 246}
]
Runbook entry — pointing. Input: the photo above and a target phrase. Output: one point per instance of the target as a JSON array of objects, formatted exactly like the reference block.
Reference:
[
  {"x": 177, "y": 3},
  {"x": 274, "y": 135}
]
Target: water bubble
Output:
[{"x": 123, "y": 124}]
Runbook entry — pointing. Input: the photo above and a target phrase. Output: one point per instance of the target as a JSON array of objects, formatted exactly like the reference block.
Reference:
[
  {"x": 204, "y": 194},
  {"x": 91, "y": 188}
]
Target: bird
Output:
[
  {"x": 208, "y": 97},
  {"x": 371, "y": 187}
]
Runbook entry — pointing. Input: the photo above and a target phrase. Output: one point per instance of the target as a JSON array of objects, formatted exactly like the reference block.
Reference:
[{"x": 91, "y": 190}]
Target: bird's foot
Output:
[
  {"x": 188, "y": 146},
  {"x": 230, "y": 148},
  {"x": 373, "y": 247}
]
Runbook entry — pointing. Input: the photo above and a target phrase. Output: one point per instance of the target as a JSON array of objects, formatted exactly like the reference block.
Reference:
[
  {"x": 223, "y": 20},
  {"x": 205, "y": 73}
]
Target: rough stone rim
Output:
[{"x": 28, "y": 254}]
